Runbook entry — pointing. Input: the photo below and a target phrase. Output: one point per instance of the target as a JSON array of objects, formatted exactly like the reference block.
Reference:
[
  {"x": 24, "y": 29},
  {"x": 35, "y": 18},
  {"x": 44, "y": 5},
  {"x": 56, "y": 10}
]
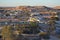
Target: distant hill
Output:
[
  {"x": 36, "y": 8},
  {"x": 32, "y": 8},
  {"x": 57, "y": 7}
]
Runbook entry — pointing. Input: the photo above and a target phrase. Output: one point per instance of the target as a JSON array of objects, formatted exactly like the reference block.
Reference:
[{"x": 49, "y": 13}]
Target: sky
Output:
[{"x": 12, "y": 3}]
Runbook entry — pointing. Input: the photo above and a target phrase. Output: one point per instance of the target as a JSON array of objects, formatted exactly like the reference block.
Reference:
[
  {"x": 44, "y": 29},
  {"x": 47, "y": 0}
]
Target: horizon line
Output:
[{"x": 29, "y": 5}]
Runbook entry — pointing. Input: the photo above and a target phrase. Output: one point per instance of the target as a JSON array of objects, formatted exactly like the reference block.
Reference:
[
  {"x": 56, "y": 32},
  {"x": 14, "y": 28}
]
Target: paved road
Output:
[{"x": 54, "y": 38}]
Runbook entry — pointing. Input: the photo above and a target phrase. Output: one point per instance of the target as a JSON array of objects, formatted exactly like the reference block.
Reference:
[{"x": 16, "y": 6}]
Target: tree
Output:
[
  {"x": 34, "y": 27},
  {"x": 18, "y": 32},
  {"x": 18, "y": 29},
  {"x": 51, "y": 24},
  {"x": 7, "y": 33}
]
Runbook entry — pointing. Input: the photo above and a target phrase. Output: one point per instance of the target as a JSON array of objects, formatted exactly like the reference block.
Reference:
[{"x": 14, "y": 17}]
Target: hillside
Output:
[{"x": 57, "y": 7}]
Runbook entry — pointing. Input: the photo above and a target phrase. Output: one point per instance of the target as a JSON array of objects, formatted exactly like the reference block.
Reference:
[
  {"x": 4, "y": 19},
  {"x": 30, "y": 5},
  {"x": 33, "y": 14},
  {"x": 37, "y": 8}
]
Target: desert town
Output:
[{"x": 30, "y": 23}]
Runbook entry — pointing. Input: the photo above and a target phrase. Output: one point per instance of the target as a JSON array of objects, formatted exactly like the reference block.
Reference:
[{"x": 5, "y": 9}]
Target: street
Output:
[{"x": 53, "y": 38}]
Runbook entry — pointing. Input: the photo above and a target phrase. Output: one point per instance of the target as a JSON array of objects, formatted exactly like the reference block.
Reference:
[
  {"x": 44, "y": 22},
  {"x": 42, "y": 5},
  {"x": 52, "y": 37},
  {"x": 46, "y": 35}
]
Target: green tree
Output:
[{"x": 34, "y": 27}]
